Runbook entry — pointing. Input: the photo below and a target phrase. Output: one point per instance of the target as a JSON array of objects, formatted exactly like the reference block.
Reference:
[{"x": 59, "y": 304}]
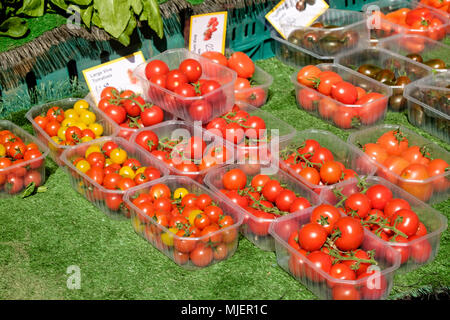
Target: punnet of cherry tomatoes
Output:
[
  {"x": 333, "y": 256},
  {"x": 104, "y": 169},
  {"x": 340, "y": 95},
  {"x": 252, "y": 131},
  {"x": 409, "y": 17},
  {"x": 321, "y": 160},
  {"x": 442, "y": 5},
  {"x": 68, "y": 122},
  {"x": 185, "y": 150},
  {"x": 185, "y": 221},
  {"x": 130, "y": 111},
  {"x": 388, "y": 68},
  {"x": 189, "y": 86},
  {"x": 252, "y": 83},
  {"x": 405, "y": 223},
  {"x": 22, "y": 160},
  {"x": 261, "y": 193},
  {"x": 406, "y": 159}
]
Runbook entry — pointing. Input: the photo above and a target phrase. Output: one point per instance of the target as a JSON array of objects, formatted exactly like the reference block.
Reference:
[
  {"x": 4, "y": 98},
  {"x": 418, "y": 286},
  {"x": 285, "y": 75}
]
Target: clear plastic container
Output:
[
  {"x": 344, "y": 116},
  {"x": 165, "y": 241},
  {"x": 386, "y": 59},
  {"x": 108, "y": 201},
  {"x": 321, "y": 283},
  {"x": 429, "y": 104},
  {"x": 110, "y": 128},
  {"x": 432, "y": 190},
  {"x": 258, "y": 93},
  {"x": 350, "y": 32},
  {"x": 22, "y": 174},
  {"x": 388, "y": 28},
  {"x": 123, "y": 132},
  {"x": 254, "y": 228},
  {"x": 293, "y": 55},
  {"x": 428, "y": 49},
  {"x": 254, "y": 151},
  {"x": 174, "y": 130},
  {"x": 343, "y": 152},
  {"x": 220, "y": 100},
  {"x": 415, "y": 253}
]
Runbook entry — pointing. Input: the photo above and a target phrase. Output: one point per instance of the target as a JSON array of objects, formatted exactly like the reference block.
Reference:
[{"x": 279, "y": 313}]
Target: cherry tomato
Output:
[
  {"x": 406, "y": 221},
  {"x": 156, "y": 67},
  {"x": 202, "y": 255},
  {"x": 216, "y": 57},
  {"x": 359, "y": 204},
  {"x": 351, "y": 233},
  {"x": 308, "y": 99},
  {"x": 200, "y": 110},
  {"x": 242, "y": 64},
  {"x": 326, "y": 215},
  {"x": 379, "y": 196},
  {"x": 394, "y": 142},
  {"x": 234, "y": 179},
  {"x": 312, "y": 236},
  {"x": 307, "y": 75},
  {"x": 191, "y": 68}
]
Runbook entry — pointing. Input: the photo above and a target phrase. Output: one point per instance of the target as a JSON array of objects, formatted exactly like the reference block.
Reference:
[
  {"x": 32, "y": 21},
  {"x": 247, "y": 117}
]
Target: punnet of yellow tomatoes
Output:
[
  {"x": 104, "y": 169},
  {"x": 64, "y": 123},
  {"x": 185, "y": 221}
]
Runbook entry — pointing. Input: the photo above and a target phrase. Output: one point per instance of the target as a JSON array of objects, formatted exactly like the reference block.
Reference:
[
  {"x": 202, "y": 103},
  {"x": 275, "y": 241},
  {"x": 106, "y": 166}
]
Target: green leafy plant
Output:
[{"x": 117, "y": 17}]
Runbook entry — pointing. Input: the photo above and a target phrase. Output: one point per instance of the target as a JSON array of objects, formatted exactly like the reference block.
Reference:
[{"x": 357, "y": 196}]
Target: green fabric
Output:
[{"x": 42, "y": 235}]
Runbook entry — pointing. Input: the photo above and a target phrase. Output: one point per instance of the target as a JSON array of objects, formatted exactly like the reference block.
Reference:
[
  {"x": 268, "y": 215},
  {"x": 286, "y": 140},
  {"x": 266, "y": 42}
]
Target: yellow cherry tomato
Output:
[
  {"x": 86, "y": 139},
  {"x": 108, "y": 162},
  {"x": 118, "y": 155},
  {"x": 180, "y": 193},
  {"x": 97, "y": 128},
  {"x": 57, "y": 140},
  {"x": 193, "y": 214},
  {"x": 81, "y": 125},
  {"x": 81, "y": 105},
  {"x": 140, "y": 170},
  {"x": 138, "y": 225},
  {"x": 62, "y": 133},
  {"x": 87, "y": 117},
  {"x": 71, "y": 114},
  {"x": 68, "y": 123},
  {"x": 127, "y": 172},
  {"x": 167, "y": 237},
  {"x": 93, "y": 148},
  {"x": 83, "y": 166},
  {"x": 2, "y": 150}
]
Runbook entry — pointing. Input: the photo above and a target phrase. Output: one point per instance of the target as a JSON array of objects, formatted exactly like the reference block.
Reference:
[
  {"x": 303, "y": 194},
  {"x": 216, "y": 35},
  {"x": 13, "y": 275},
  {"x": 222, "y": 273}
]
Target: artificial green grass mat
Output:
[{"x": 41, "y": 236}]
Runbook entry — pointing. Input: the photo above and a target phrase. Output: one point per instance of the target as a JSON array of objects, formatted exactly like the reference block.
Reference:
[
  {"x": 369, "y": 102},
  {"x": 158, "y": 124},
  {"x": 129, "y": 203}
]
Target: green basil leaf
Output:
[
  {"x": 137, "y": 6},
  {"x": 32, "y": 8},
  {"x": 86, "y": 15},
  {"x": 151, "y": 9},
  {"x": 14, "y": 27},
  {"x": 124, "y": 38},
  {"x": 114, "y": 15},
  {"x": 29, "y": 190},
  {"x": 61, "y": 4},
  {"x": 81, "y": 2}
]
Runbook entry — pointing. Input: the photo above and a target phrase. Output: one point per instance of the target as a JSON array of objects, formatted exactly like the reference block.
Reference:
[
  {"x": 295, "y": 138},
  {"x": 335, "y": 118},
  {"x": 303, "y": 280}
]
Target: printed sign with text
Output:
[
  {"x": 208, "y": 32},
  {"x": 286, "y": 15},
  {"x": 117, "y": 73}
]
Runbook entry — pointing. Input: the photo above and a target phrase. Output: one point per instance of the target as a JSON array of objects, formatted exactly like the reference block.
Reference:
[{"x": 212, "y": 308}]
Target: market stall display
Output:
[{"x": 316, "y": 184}]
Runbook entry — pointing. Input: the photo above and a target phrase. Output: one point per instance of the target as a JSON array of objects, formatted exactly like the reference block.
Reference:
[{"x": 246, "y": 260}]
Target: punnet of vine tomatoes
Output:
[
  {"x": 262, "y": 194},
  {"x": 22, "y": 160},
  {"x": 322, "y": 166},
  {"x": 184, "y": 149},
  {"x": 130, "y": 111},
  {"x": 188, "y": 85},
  {"x": 253, "y": 131},
  {"x": 340, "y": 96},
  {"x": 402, "y": 221},
  {"x": 104, "y": 169},
  {"x": 406, "y": 159},
  {"x": 333, "y": 256},
  {"x": 68, "y": 122},
  {"x": 252, "y": 83},
  {"x": 185, "y": 221}
]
